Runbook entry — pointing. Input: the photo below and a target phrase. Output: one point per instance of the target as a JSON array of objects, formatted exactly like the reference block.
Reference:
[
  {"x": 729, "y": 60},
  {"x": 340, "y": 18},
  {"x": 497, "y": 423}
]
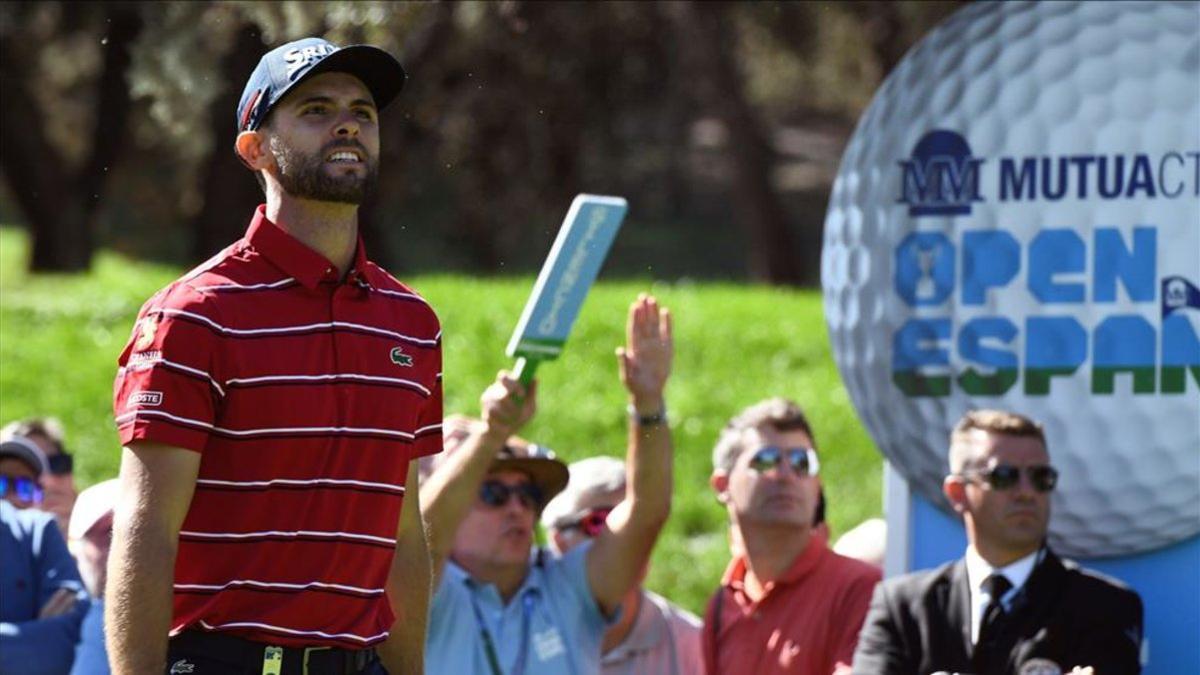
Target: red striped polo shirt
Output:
[{"x": 306, "y": 397}]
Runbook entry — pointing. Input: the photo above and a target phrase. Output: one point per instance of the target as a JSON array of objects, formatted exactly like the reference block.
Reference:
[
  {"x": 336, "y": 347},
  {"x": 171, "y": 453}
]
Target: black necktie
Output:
[{"x": 996, "y": 586}]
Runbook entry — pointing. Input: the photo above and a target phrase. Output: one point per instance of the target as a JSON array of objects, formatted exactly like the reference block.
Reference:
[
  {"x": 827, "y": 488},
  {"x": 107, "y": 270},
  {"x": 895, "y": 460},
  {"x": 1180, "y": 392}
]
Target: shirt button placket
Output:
[{"x": 339, "y": 340}]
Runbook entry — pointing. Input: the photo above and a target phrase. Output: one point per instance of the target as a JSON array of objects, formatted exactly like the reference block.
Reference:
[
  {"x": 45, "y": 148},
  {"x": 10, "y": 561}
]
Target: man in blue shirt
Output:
[
  {"x": 42, "y": 600},
  {"x": 498, "y": 608}
]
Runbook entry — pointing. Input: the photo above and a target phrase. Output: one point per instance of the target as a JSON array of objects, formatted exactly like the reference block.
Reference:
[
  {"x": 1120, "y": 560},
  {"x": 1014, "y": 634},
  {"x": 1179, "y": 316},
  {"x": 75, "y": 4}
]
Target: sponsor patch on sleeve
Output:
[{"x": 144, "y": 398}]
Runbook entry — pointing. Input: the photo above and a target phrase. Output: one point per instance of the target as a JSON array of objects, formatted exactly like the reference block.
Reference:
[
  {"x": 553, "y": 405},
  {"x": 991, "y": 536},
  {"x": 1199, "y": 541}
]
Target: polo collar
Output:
[
  {"x": 804, "y": 564},
  {"x": 533, "y": 579},
  {"x": 1016, "y": 572},
  {"x": 298, "y": 261}
]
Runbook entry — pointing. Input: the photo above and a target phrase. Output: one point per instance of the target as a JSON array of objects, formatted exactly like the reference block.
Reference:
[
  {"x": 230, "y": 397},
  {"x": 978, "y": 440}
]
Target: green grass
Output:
[{"x": 735, "y": 344}]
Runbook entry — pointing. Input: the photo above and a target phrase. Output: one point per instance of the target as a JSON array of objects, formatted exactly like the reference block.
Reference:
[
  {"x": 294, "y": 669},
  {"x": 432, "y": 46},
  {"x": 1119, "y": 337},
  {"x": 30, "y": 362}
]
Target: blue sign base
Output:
[{"x": 1167, "y": 579}]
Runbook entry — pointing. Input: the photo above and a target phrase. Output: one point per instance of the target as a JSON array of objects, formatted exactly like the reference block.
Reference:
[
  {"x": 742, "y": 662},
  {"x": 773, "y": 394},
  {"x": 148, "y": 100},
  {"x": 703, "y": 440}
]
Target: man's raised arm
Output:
[
  {"x": 452, "y": 488},
  {"x": 619, "y": 554},
  {"x": 156, "y": 488}
]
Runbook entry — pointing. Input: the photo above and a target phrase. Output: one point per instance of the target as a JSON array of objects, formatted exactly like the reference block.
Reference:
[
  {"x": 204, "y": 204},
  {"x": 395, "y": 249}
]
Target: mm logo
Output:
[
  {"x": 400, "y": 358},
  {"x": 942, "y": 178}
]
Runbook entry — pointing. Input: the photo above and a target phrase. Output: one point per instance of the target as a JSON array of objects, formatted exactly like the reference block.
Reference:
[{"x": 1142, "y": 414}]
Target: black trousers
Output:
[{"x": 204, "y": 653}]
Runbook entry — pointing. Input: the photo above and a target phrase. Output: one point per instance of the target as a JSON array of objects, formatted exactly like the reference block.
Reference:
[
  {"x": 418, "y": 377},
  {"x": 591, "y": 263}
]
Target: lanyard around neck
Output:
[{"x": 489, "y": 645}]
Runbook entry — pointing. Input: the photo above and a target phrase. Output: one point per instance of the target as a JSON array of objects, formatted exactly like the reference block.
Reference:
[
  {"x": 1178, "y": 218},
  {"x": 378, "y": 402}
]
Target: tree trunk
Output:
[
  {"x": 60, "y": 207},
  {"x": 230, "y": 190},
  {"x": 772, "y": 254},
  {"x": 885, "y": 32}
]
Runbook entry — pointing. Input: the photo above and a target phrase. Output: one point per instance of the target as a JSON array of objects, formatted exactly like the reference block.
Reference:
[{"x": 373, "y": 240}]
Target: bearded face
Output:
[{"x": 327, "y": 175}]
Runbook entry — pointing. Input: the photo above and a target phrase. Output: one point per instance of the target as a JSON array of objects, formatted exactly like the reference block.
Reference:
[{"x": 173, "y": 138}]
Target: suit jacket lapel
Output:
[
  {"x": 1041, "y": 592},
  {"x": 1031, "y": 607},
  {"x": 958, "y": 608}
]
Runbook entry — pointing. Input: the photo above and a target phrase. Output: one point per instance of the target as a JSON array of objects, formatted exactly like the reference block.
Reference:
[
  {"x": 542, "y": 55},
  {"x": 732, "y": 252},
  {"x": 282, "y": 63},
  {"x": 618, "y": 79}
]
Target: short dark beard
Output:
[{"x": 304, "y": 176}]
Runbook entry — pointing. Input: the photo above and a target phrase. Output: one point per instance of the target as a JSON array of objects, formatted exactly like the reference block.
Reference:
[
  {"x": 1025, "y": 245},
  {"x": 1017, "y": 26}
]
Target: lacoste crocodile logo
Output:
[{"x": 400, "y": 358}]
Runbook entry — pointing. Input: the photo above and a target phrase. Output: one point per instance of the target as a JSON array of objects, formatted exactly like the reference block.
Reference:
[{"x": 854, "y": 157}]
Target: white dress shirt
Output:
[{"x": 979, "y": 569}]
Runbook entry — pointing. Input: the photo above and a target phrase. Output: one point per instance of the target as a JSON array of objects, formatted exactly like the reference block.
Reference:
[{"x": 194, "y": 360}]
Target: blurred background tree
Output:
[{"x": 722, "y": 123}]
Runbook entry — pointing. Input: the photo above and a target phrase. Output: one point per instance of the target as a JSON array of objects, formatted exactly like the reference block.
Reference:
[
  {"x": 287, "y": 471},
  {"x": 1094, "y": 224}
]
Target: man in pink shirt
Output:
[{"x": 787, "y": 603}]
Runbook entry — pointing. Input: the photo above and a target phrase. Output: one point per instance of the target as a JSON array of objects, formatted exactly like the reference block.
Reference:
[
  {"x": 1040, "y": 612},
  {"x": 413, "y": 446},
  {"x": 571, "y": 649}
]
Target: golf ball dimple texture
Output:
[{"x": 1027, "y": 86}]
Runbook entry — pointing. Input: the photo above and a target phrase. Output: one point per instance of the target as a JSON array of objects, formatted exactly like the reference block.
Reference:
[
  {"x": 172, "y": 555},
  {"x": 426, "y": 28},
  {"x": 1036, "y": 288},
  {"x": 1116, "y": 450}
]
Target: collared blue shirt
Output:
[
  {"x": 34, "y": 564},
  {"x": 565, "y": 623}
]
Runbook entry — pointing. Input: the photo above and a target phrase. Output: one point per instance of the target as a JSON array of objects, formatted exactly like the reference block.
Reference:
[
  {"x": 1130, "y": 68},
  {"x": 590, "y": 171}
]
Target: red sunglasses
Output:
[{"x": 593, "y": 523}]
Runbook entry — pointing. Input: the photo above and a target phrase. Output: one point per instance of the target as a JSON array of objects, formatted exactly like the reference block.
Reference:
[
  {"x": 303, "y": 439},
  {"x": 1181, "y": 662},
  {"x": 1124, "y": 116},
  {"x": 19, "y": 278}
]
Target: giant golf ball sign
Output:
[{"x": 1016, "y": 225}]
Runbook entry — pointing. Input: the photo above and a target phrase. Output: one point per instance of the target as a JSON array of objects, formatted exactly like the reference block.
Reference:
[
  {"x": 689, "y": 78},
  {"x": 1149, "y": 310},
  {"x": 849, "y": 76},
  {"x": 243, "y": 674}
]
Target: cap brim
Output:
[
  {"x": 379, "y": 71},
  {"x": 550, "y": 475}
]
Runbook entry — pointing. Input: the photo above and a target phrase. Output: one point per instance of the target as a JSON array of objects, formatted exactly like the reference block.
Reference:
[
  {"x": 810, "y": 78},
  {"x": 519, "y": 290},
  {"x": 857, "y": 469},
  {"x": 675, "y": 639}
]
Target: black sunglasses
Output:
[
  {"x": 802, "y": 460},
  {"x": 61, "y": 464},
  {"x": 26, "y": 489},
  {"x": 1043, "y": 477},
  {"x": 496, "y": 494}
]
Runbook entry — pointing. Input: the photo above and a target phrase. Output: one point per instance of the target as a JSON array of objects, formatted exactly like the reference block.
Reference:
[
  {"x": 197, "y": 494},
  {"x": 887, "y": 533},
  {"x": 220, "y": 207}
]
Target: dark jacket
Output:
[{"x": 921, "y": 623}]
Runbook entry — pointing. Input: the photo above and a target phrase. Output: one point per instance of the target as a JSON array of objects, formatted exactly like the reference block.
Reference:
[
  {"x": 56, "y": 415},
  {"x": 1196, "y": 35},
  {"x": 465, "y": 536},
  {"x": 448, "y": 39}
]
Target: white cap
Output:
[
  {"x": 92, "y": 505},
  {"x": 594, "y": 482}
]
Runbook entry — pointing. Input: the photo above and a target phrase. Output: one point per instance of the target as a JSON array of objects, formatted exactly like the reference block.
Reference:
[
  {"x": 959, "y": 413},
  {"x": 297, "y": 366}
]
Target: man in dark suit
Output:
[{"x": 1010, "y": 605}]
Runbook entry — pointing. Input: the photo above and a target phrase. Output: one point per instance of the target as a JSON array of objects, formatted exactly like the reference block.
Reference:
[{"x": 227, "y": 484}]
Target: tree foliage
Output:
[{"x": 721, "y": 122}]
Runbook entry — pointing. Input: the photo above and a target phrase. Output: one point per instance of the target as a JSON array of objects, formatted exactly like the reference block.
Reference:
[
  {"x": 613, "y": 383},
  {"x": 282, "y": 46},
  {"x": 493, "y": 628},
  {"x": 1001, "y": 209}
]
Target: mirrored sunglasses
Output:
[
  {"x": 803, "y": 461},
  {"x": 1042, "y": 477},
  {"x": 495, "y": 494},
  {"x": 26, "y": 489},
  {"x": 593, "y": 523}
]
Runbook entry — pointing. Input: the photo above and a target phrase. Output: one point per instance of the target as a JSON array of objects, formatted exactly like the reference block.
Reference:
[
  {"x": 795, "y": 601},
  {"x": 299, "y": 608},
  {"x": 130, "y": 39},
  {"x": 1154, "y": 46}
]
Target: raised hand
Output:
[
  {"x": 645, "y": 360},
  {"x": 507, "y": 405}
]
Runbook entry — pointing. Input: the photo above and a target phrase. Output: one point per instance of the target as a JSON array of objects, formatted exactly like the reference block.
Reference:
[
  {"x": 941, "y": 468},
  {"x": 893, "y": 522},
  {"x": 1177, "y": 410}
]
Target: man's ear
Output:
[
  {"x": 251, "y": 148},
  {"x": 955, "y": 490},
  {"x": 719, "y": 480}
]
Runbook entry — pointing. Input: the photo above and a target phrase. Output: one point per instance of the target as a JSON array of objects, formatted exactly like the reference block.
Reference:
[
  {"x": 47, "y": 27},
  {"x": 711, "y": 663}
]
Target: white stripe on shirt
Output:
[
  {"x": 259, "y": 432},
  {"x": 150, "y": 363},
  {"x": 246, "y": 287},
  {"x": 301, "y": 329},
  {"x": 289, "y": 534},
  {"x": 399, "y": 489},
  {"x": 290, "y": 631},
  {"x": 281, "y": 585},
  {"x": 331, "y": 377}
]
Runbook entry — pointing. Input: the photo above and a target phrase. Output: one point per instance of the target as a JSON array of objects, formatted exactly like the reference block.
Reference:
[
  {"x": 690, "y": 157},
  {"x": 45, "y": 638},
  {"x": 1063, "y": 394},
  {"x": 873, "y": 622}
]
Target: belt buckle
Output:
[{"x": 308, "y": 651}]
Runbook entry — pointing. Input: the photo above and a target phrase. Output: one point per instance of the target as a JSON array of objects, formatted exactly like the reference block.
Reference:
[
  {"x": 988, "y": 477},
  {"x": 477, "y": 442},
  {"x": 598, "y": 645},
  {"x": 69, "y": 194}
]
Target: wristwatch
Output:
[{"x": 651, "y": 420}]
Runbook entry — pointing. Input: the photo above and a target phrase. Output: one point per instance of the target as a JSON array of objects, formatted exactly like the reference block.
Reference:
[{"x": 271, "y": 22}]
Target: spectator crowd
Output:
[{"x": 788, "y": 602}]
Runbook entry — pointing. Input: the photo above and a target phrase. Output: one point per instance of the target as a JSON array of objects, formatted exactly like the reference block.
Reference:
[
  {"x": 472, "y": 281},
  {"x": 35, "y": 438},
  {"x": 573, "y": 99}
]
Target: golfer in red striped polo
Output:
[{"x": 271, "y": 403}]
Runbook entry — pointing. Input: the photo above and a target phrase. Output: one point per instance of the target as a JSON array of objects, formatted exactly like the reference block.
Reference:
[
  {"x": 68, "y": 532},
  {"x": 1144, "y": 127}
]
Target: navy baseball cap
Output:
[{"x": 282, "y": 68}]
